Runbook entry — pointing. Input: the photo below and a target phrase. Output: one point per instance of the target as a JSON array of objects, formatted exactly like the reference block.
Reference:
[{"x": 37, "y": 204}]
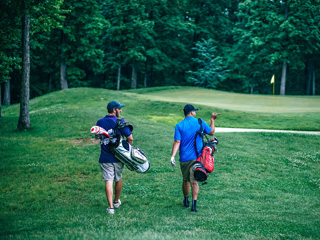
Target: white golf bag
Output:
[{"x": 132, "y": 157}]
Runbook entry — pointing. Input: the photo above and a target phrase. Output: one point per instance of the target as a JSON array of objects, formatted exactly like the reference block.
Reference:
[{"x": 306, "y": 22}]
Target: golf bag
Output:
[
  {"x": 132, "y": 157},
  {"x": 205, "y": 162}
]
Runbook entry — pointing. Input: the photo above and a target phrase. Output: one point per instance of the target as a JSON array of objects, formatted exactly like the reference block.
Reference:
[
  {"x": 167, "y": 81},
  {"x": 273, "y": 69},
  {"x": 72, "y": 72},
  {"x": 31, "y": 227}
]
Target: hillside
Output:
[{"x": 264, "y": 185}]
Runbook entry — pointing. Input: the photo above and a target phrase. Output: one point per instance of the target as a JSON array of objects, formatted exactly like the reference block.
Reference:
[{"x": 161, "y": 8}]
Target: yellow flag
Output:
[{"x": 272, "y": 79}]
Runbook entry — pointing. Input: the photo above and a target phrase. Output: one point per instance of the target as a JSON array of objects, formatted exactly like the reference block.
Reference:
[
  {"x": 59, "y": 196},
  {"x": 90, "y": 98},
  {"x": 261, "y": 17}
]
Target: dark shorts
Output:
[{"x": 186, "y": 170}]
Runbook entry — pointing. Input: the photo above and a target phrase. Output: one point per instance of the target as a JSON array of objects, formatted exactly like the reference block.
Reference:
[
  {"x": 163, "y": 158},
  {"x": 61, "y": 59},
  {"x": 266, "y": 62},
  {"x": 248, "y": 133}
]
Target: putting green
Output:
[{"x": 236, "y": 101}]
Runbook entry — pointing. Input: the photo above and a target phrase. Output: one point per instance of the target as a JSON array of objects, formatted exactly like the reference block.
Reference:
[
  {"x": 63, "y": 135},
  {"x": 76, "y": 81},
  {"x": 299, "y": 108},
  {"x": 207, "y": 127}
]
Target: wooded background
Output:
[{"x": 230, "y": 45}]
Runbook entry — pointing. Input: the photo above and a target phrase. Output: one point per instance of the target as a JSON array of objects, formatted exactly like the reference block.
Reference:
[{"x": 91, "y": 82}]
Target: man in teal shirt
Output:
[{"x": 184, "y": 138}]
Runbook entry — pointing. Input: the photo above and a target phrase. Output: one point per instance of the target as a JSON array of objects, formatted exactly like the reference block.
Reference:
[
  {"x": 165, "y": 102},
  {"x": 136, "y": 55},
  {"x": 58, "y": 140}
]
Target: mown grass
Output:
[
  {"x": 234, "y": 101},
  {"x": 264, "y": 186},
  {"x": 238, "y": 110}
]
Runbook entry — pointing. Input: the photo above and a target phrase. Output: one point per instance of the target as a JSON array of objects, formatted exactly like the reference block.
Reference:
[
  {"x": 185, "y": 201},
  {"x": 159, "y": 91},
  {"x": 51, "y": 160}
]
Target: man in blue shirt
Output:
[
  {"x": 184, "y": 138},
  {"x": 110, "y": 166}
]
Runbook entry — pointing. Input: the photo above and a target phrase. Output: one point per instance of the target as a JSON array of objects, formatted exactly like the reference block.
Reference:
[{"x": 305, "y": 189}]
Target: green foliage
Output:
[
  {"x": 44, "y": 16},
  {"x": 159, "y": 40},
  {"x": 10, "y": 39},
  {"x": 210, "y": 69},
  {"x": 269, "y": 33},
  {"x": 134, "y": 37},
  {"x": 174, "y": 39},
  {"x": 81, "y": 25},
  {"x": 83, "y": 29},
  {"x": 264, "y": 186}
]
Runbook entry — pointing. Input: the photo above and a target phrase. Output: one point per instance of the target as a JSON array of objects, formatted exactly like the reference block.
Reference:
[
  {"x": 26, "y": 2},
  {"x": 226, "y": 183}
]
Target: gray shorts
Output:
[{"x": 112, "y": 171}]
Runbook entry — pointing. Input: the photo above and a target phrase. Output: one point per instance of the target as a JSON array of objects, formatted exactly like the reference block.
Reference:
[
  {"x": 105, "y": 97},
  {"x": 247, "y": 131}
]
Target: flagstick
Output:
[{"x": 273, "y": 88}]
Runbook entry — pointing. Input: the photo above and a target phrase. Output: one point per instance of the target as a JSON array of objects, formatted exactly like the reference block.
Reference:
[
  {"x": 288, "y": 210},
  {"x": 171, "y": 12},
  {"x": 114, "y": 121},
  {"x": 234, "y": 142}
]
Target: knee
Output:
[{"x": 194, "y": 184}]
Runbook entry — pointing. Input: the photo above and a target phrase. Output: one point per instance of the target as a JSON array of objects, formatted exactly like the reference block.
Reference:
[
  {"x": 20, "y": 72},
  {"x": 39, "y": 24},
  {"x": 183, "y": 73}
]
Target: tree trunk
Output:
[
  {"x": 134, "y": 77},
  {"x": 7, "y": 95},
  {"x": 145, "y": 76},
  {"x": 308, "y": 75},
  {"x": 310, "y": 70},
  {"x": 63, "y": 67},
  {"x": 283, "y": 79},
  {"x": 284, "y": 65},
  {"x": 0, "y": 100},
  {"x": 119, "y": 77},
  {"x": 50, "y": 82},
  {"x": 311, "y": 78},
  {"x": 24, "y": 119},
  {"x": 314, "y": 82},
  {"x": 145, "y": 80}
]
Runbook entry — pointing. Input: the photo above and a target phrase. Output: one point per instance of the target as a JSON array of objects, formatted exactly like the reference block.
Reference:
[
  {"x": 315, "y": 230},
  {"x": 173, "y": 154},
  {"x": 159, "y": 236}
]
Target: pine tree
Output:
[{"x": 210, "y": 68}]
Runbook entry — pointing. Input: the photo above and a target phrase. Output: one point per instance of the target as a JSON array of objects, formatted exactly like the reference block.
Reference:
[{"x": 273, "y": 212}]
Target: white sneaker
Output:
[
  {"x": 110, "y": 210},
  {"x": 117, "y": 205}
]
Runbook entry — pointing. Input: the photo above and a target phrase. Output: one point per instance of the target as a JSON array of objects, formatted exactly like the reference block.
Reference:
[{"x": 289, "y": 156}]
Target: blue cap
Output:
[
  {"x": 189, "y": 108},
  {"x": 114, "y": 104}
]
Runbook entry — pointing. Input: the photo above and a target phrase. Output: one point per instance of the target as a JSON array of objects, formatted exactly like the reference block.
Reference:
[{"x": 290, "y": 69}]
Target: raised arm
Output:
[{"x": 213, "y": 117}]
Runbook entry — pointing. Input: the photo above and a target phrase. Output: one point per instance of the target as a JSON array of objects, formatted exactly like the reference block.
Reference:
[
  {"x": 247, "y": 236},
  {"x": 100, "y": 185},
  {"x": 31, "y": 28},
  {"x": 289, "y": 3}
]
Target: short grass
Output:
[
  {"x": 264, "y": 186},
  {"x": 234, "y": 101},
  {"x": 238, "y": 110}
]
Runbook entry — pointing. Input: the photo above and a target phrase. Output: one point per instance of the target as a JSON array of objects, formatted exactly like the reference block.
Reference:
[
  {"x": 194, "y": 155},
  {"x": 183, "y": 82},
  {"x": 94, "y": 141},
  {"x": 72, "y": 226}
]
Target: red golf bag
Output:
[{"x": 205, "y": 162}]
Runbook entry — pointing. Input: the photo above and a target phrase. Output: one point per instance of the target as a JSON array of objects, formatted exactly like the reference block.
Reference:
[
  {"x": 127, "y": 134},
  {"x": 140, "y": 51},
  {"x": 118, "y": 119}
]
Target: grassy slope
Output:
[{"x": 263, "y": 186}]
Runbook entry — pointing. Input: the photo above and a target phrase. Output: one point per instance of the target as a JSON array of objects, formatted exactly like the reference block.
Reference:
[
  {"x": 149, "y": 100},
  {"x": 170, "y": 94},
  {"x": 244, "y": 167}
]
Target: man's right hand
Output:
[
  {"x": 173, "y": 162},
  {"x": 215, "y": 115}
]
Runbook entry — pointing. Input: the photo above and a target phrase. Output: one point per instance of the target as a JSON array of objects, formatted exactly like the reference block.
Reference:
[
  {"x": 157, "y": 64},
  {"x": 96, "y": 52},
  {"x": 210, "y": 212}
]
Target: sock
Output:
[
  {"x": 194, "y": 203},
  {"x": 186, "y": 201}
]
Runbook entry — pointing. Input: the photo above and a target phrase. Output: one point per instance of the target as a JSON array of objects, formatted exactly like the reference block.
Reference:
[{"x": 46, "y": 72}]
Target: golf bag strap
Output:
[
  {"x": 120, "y": 125},
  {"x": 201, "y": 133}
]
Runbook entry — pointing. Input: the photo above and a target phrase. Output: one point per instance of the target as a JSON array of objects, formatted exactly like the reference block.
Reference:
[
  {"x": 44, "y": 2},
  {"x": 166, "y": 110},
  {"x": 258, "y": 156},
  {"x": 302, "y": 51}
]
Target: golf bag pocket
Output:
[
  {"x": 204, "y": 164},
  {"x": 207, "y": 159},
  {"x": 200, "y": 173},
  {"x": 142, "y": 163},
  {"x": 138, "y": 155},
  {"x": 132, "y": 157}
]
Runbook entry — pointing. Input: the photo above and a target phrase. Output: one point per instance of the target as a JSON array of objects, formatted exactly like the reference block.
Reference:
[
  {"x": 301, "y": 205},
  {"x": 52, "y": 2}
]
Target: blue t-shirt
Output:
[
  {"x": 185, "y": 131},
  {"x": 109, "y": 122}
]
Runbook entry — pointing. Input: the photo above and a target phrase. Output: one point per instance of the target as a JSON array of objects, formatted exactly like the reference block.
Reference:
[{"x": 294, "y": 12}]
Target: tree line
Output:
[{"x": 232, "y": 45}]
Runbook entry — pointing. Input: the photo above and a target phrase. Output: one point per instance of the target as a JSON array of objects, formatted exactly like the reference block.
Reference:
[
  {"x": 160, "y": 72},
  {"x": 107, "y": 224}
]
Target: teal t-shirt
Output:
[{"x": 185, "y": 131}]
